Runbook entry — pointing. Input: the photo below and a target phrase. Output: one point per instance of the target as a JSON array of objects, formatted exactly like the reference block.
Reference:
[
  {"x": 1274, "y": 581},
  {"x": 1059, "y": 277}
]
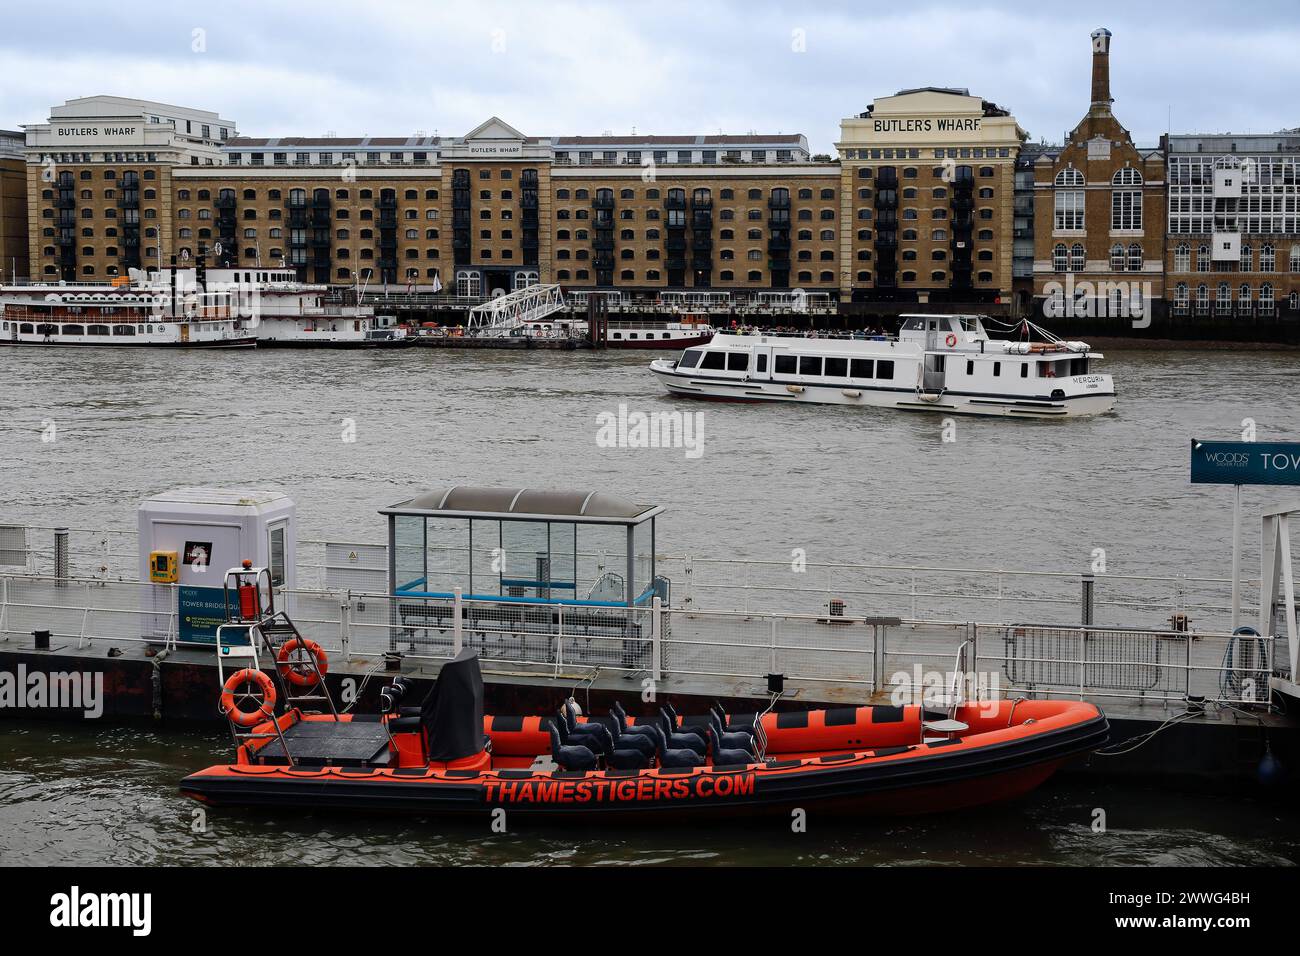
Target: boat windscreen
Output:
[{"x": 452, "y": 712}]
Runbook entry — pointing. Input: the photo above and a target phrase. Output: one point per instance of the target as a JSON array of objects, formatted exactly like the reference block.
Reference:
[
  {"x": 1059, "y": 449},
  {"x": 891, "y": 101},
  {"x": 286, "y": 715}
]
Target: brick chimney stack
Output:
[{"x": 1101, "y": 98}]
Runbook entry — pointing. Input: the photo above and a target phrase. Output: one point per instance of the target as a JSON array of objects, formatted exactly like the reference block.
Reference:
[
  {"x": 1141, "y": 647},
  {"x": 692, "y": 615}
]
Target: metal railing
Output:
[
  {"x": 914, "y": 592},
  {"x": 715, "y": 651}
]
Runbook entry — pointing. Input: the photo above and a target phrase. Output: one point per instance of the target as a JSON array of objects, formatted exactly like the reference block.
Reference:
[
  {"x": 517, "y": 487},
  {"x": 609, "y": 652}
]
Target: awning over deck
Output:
[{"x": 524, "y": 504}]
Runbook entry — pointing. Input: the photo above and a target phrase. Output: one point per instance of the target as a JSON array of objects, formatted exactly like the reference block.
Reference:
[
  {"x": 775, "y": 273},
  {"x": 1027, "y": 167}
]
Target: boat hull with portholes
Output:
[
  {"x": 872, "y": 760},
  {"x": 944, "y": 364}
]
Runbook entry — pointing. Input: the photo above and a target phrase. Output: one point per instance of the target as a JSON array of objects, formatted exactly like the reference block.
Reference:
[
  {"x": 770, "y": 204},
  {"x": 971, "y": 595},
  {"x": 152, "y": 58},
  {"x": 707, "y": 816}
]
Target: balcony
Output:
[
  {"x": 530, "y": 242},
  {"x": 319, "y": 220},
  {"x": 528, "y": 200},
  {"x": 675, "y": 264},
  {"x": 778, "y": 244},
  {"x": 673, "y": 202},
  {"x": 702, "y": 202},
  {"x": 886, "y": 241},
  {"x": 66, "y": 241},
  {"x": 602, "y": 202},
  {"x": 702, "y": 242},
  {"x": 387, "y": 202},
  {"x": 602, "y": 244},
  {"x": 702, "y": 264},
  {"x": 320, "y": 202},
  {"x": 320, "y": 242},
  {"x": 675, "y": 244},
  {"x": 222, "y": 202},
  {"x": 779, "y": 221},
  {"x": 65, "y": 202},
  {"x": 778, "y": 202},
  {"x": 297, "y": 202}
]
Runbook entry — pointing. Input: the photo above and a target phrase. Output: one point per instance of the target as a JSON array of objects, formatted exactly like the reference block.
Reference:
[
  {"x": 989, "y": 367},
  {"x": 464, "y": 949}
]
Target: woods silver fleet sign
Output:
[{"x": 1245, "y": 463}]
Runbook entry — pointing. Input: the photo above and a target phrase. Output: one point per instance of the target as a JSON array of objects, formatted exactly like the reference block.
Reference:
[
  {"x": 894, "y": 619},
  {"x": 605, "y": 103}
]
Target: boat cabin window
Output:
[
  {"x": 837, "y": 367},
  {"x": 970, "y": 366},
  {"x": 713, "y": 360},
  {"x": 737, "y": 361},
  {"x": 810, "y": 365},
  {"x": 864, "y": 368},
  {"x": 761, "y": 362},
  {"x": 997, "y": 369},
  {"x": 690, "y": 358},
  {"x": 885, "y": 369},
  {"x": 785, "y": 364}
]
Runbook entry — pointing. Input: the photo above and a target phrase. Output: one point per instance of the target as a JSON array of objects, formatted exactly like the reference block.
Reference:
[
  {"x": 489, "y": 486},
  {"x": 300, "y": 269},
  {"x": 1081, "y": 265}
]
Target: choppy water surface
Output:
[
  {"x": 72, "y": 796},
  {"x": 845, "y": 485}
]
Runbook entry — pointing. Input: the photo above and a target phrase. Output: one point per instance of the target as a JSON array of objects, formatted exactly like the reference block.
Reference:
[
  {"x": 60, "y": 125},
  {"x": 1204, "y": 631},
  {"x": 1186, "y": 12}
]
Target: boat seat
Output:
[
  {"x": 627, "y": 760},
  {"x": 725, "y": 757},
  {"x": 641, "y": 743},
  {"x": 401, "y": 724},
  {"x": 680, "y": 758},
  {"x": 946, "y": 726},
  {"x": 681, "y": 741},
  {"x": 604, "y": 740},
  {"x": 570, "y": 757}
]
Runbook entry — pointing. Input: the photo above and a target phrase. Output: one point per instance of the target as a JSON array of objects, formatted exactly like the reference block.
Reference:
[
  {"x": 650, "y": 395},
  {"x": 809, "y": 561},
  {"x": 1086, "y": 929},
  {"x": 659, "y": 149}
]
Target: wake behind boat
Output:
[{"x": 940, "y": 363}]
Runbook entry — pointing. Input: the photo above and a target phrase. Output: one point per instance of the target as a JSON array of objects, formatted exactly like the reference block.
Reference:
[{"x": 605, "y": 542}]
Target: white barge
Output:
[{"x": 936, "y": 363}]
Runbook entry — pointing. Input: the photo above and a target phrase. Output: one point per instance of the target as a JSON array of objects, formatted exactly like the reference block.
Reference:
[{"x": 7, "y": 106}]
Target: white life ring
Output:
[{"x": 951, "y": 340}]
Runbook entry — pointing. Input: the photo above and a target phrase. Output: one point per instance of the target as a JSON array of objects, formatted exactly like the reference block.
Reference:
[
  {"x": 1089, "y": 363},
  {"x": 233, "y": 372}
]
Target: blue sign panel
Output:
[
  {"x": 202, "y": 611},
  {"x": 1245, "y": 462}
]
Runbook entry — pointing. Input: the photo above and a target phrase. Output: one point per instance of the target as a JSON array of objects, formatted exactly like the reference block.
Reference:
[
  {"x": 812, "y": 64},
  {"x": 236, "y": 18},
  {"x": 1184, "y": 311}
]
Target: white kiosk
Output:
[{"x": 190, "y": 537}]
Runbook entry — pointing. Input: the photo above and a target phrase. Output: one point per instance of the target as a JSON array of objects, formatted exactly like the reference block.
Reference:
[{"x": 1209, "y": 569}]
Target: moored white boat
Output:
[
  {"x": 937, "y": 363},
  {"x": 163, "y": 309}
]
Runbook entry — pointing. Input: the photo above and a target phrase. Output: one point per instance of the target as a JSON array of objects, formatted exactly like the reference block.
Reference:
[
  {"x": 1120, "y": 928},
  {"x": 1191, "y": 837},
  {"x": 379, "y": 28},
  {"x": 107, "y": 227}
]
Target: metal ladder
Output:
[{"x": 252, "y": 622}]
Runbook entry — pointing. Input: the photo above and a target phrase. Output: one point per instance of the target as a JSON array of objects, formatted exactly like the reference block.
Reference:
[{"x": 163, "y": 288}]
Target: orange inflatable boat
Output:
[{"x": 446, "y": 756}]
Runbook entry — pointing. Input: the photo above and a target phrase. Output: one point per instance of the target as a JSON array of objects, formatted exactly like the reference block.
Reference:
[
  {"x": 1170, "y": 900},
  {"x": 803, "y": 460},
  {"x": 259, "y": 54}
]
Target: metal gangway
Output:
[{"x": 506, "y": 314}]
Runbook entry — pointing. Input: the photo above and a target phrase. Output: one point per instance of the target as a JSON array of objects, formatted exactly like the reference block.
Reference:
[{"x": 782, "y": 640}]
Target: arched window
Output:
[
  {"x": 1266, "y": 299},
  {"x": 1247, "y": 258},
  {"x": 1243, "y": 298},
  {"x": 1183, "y": 257},
  {"x": 1223, "y": 299},
  {"x": 1126, "y": 200},
  {"x": 1293, "y": 262},
  {"x": 1069, "y": 176},
  {"x": 1202, "y": 298},
  {"x": 1060, "y": 258},
  {"x": 1180, "y": 299},
  {"x": 1117, "y": 258},
  {"x": 1069, "y": 200},
  {"x": 1077, "y": 257},
  {"x": 1267, "y": 258},
  {"x": 1135, "y": 257}
]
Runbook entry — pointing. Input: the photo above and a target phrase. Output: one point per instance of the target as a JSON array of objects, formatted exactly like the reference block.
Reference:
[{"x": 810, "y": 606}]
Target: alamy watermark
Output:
[
  {"x": 56, "y": 690},
  {"x": 632, "y": 429},
  {"x": 1085, "y": 299}
]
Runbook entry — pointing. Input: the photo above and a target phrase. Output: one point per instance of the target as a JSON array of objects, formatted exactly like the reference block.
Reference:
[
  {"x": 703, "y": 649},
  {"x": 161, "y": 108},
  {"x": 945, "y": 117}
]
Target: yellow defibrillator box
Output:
[{"x": 163, "y": 567}]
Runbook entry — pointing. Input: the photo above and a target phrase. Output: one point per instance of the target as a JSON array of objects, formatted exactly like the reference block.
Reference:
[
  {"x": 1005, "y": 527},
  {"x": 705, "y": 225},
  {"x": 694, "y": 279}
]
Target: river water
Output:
[{"x": 842, "y": 484}]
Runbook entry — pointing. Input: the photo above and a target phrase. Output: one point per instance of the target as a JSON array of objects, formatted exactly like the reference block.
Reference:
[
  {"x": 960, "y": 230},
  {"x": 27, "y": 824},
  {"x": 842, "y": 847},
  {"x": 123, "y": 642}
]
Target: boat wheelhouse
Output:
[{"x": 940, "y": 363}]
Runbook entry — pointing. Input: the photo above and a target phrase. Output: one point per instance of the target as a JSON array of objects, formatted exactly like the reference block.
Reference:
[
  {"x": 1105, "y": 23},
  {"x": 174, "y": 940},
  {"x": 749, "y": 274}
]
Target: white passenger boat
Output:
[
  {"x": 650, "y": 334},
  {"x": 296, "y": 314},
  {"x": 936, "y": 363},
  {"x": 161, "y": 309}
]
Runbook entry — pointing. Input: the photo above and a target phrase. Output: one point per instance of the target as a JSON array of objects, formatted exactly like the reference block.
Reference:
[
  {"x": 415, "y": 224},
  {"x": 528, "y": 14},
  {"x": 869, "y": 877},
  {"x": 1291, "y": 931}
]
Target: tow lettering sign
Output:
[{"x": 1245, "y": 463}]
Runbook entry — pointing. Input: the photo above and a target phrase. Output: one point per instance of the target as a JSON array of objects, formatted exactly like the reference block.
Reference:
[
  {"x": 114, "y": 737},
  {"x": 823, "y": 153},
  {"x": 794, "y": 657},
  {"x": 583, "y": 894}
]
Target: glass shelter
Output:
[{"x": 522, "y": 545}]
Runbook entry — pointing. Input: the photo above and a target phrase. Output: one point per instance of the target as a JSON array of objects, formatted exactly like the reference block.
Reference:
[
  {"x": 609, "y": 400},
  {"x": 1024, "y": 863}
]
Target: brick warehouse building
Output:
[
  {"x": 1099, "y": 213},
  {"x": 935, "y": 200},
  {"x": 13, "y": 206}
]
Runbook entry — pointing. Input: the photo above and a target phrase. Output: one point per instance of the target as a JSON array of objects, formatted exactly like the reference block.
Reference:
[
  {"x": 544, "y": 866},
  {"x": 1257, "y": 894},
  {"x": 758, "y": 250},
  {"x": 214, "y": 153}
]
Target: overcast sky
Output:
[{"x": 563, "y": 67}]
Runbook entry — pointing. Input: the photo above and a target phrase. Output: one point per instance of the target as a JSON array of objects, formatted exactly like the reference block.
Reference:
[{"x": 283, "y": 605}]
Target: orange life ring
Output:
[
  {"x": 951, "y": 340},
  {"x": 296, "y": 673},
  {"x": 248, "y": 718}
]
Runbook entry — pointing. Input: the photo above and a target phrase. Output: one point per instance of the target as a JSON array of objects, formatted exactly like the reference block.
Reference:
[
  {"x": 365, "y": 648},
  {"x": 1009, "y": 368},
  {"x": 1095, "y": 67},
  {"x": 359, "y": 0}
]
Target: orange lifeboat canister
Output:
[
  {"x": 299, "y": 673},
  {"x": 248, "y": 718}
]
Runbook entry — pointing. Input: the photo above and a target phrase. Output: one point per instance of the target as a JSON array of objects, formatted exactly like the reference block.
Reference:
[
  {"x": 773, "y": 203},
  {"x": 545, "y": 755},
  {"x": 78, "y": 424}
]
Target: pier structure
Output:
[{"x": 1156, "y": 654}]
